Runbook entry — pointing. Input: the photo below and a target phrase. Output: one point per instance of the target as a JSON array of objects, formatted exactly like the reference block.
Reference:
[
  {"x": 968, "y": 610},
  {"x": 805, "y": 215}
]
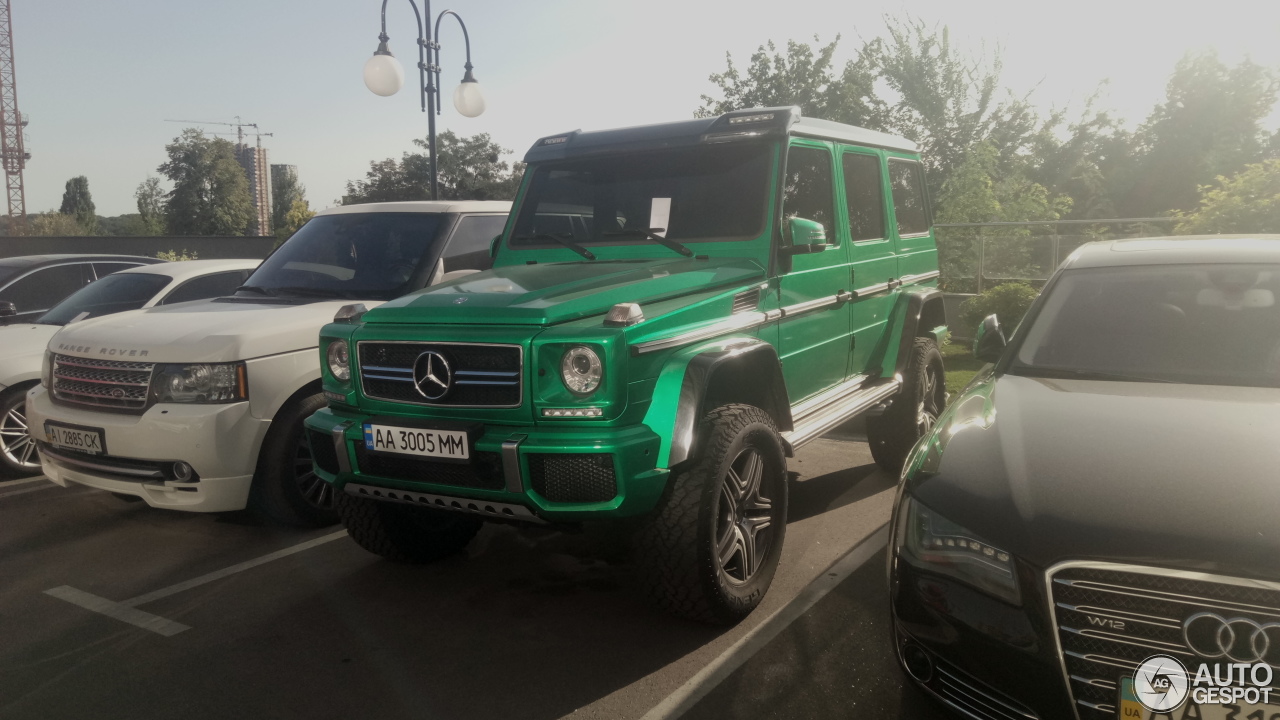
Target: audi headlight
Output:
[
  {"x": 201, "y": 383},
  {"x": 339, "y": 358},
  {"x": 581, "y": 370},
  {"x": 930, "y": 541},
  {"x": 46, "y": 370}
]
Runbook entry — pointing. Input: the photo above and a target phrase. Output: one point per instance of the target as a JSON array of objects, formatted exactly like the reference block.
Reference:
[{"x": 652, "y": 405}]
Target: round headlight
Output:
[
  {"x": 581, "y": 369},
  {"x": 339, "y": 361}
]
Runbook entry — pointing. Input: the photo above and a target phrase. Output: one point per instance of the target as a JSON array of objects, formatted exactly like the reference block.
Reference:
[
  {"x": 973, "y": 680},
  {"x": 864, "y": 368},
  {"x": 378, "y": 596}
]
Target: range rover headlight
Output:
[
  {"x": 581, "y": 370},
  {"x": 930, "y": 541},
  {"x": 339, "y": 358},
  {"x": 201, "y": 383}
]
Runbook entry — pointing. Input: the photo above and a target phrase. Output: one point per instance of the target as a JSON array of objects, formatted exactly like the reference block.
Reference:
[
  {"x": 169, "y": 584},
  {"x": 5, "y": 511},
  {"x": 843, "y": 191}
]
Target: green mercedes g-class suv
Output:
[{"x": 673, "y": 310}]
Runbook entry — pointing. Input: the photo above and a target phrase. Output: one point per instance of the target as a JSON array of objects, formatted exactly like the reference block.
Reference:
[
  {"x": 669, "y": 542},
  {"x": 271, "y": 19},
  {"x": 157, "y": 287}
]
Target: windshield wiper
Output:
[
  {"x": 1069, "y": 374},
  {"x": 652, "y": 234},
  {"x": 567, "y": 242},
  {"x": 304, "y": 291},
  {"x": 254, "y": 288}
]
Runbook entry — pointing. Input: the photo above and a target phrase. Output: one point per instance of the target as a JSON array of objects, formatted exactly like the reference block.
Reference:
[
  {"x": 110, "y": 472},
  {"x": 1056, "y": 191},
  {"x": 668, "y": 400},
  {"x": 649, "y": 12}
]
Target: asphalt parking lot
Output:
[{"x": 114, "y": 610}]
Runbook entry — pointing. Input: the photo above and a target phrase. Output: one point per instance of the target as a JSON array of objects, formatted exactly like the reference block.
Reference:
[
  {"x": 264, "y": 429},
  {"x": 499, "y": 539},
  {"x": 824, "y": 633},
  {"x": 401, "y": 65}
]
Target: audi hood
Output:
[{"x": 1151, "y": 473}]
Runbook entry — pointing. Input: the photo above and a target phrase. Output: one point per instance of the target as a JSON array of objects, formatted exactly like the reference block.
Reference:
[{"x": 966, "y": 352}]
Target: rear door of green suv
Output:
[
  {"x": 913, "y": 228},
  {"x": 871, "y": 246}
]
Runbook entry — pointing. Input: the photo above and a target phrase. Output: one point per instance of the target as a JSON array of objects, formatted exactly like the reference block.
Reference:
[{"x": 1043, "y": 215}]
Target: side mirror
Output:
[
  {"x": 807, "y": 236},
  {"x": 7, "y": 309},
  {"x": 989, "y": 343}
]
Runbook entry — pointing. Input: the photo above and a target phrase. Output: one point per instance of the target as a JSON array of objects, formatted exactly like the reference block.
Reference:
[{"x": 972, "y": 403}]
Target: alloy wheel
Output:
[
  {"x": 932, "y": 400},
  {"x": 743, "y": 526},
  {"x": 18, "y": 447},
  {"x": 315, "y": 491}
]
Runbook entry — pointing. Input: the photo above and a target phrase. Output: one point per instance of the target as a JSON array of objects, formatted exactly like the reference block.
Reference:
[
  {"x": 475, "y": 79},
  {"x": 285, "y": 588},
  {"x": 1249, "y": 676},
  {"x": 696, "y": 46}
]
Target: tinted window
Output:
[
  {"x": 696, "y": 194},
  {"x": 908, "y": 197},
  {"x": 468, "y": 247},
  {"x": 111, "y": 294},
  {"x": 209, "y": 286},
  {"x": 864, "y": 196},
  {"x": 105, "y": 269},
  {"x": 809, "y": 192},
  {"x": 362, "y": 255},
  {"x": 45, "y": 288}
]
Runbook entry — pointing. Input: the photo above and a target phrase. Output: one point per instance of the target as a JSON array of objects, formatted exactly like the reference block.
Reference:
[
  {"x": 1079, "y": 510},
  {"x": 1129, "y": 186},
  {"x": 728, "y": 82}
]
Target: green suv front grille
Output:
[{"x": 442, "y": 374}]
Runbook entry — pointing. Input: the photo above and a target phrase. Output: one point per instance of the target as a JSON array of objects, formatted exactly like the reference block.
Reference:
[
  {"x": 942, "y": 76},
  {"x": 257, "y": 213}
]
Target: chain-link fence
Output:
[{"x": 976, "y": 256}]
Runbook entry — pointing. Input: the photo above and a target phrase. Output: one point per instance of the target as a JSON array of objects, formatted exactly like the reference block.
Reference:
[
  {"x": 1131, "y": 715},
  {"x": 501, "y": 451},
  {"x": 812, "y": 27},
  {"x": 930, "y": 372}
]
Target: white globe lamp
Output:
[
  {"x": 383, "y": 74},
  {"x": 467, "y": 97}
]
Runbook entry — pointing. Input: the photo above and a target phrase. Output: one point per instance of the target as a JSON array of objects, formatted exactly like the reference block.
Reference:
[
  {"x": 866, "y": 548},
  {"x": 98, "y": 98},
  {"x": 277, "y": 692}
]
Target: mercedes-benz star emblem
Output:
[
  {"x": 1240, "y": 639},
  {"x": 432, "y": 375}
]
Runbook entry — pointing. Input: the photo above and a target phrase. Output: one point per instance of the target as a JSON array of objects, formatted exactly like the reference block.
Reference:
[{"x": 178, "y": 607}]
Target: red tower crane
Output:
[{"x": 13, "y": 156}]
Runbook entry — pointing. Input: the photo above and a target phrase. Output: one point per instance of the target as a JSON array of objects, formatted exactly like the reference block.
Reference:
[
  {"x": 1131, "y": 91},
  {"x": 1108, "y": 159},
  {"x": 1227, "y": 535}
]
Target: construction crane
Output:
[
  {"x": 254, "y": 162},
  {"x": 238, "y": 125},
  {"x": 13, "y": 155}
]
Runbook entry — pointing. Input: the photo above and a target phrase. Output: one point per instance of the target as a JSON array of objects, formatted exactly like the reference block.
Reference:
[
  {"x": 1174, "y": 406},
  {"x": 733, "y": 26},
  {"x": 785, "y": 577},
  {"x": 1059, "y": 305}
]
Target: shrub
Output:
[
  {"x": 1008, "y": 301},
  {"x": 177, "y": 255}
]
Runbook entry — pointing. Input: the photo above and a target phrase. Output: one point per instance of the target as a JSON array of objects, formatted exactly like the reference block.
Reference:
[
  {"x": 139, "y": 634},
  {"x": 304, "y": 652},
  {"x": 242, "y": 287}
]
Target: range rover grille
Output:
[
  {"x": 1110, "y": 619},
  {"x": 480, "y": 374},
  {"x": 105, "y": 384}
]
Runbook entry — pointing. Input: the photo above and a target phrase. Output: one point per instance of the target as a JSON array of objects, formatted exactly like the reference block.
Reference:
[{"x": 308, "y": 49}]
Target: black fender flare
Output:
[{"x": 924, "y": 311}]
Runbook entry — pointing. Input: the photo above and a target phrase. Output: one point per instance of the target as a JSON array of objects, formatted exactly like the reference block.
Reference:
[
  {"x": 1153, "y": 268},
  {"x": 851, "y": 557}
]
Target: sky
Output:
[{"x": 99, "y": 80}]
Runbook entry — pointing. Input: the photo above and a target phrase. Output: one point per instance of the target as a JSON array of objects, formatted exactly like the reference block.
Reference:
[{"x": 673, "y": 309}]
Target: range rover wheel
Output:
[
  {"x": 711, "y": 548},
  {"x": 18, "y": 456},
  {"x": 915, "y": 409},
  {"x": 403, "y": 533},
  {"x": 285, "y": 488}
]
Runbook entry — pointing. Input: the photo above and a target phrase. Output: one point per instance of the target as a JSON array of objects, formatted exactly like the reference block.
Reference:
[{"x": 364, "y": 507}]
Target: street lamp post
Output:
[{"x": 383, "y": 75}]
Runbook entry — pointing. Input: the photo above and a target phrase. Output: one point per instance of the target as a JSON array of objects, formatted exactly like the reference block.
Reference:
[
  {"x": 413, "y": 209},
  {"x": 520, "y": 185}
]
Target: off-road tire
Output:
[
  {"x": 276, "y": 493},
  {"x": 13, "y": 419},
  {"x": 914, "y": 410},
  {"x": 403, "y": 533},
  {"x": 675, "y": 546}
]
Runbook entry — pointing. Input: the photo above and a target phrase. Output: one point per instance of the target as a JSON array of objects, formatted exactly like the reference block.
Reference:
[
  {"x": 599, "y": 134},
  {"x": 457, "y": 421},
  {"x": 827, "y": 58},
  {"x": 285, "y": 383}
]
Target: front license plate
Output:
[
  {"x": 71, "y": 437},
  {"x": 426, "y": 442},
  {"x": 1128, "y": 708}
]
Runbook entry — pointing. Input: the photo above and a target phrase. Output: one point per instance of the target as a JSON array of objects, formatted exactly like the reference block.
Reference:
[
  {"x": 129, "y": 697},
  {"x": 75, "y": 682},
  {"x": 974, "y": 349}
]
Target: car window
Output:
[
  {"x": 47, "y": 287},
  {"x": 908, "y": 197},
  {"x": 111, "y": 294},
  {"x": 863, "y": 195},
  {"x": 104, "y": 269},
  {"x": 808, "y": 190},
  {"x": 468, "y": 247},
  {"x": 205, "y": 287}
]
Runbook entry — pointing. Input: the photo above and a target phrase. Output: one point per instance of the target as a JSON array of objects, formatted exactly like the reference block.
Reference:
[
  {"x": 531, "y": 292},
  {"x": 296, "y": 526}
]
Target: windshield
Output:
[
  {"x": 112, "y": 294},
  {"x": 1202, "y": 324},
  {"x": 696, "y": 194},
  {"x": 365, "y": 255}
]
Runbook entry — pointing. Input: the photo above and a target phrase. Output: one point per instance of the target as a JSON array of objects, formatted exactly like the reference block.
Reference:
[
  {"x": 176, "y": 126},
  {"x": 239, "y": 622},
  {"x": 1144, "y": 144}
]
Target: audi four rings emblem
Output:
[
  {"x": 1240, "y": 639},
  {"x": 432, "y": 375}
]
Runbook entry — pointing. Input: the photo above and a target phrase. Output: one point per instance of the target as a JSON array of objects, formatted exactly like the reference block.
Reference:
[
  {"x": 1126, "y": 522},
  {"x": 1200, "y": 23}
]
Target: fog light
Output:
[
  {"x": 917, "y": 662},
  {"x": 182, "y": 472}
]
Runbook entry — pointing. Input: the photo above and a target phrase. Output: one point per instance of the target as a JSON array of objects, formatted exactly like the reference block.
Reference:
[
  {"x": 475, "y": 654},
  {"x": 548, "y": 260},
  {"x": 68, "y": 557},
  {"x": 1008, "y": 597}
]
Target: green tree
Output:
[
  {"x": 210, "y": 193},
  {"x": 285, "y": 191},
  {"x": 802, "y": 76},
  {"x": 471, "y": 168},
  {"x": 150, "y": 199},
  {"x": 54, "y": 224},
  {"x": 1210, "y": 125},
  {"x": 297, "y": 216},
  {"x": 1248, "y": 202},
  {"x": 77, "y": 202}
]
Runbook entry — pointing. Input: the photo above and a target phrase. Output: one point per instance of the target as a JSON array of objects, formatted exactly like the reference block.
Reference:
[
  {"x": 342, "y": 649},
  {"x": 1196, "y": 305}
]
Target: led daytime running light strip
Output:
[{"x": 573, "y": 412}]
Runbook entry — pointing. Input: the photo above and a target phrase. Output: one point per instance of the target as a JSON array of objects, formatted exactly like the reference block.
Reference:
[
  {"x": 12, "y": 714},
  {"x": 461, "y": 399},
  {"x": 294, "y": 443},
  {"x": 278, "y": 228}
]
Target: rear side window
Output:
[
  {"x": 864, "y": 196},
  {"x": 809, "y": 192},
  {"x": 908, "y": 197},
  {"x": 468, "y": 247},
  {"x": 210, "y": 286},
  {"x": 106, "y": 268},
  {"x": 45, "y": 288}
]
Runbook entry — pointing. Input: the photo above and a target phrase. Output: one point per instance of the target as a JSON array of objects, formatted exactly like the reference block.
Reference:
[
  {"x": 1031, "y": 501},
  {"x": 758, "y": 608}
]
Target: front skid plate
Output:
[{"x": 483, "y": 508}]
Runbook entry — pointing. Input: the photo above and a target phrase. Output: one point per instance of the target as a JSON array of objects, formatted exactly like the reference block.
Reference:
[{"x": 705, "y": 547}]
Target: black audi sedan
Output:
[{"x": 1106, "y": 490}]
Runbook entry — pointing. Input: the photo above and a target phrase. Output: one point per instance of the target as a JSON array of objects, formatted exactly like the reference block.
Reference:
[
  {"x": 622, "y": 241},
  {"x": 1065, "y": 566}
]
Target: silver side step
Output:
[
  {"x": 483, "y": 508},
  {"x": 819, "y": 419}
]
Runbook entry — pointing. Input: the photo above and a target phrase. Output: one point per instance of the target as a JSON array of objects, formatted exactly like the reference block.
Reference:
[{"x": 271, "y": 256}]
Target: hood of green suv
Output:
[{"x": 550, "y": 293}]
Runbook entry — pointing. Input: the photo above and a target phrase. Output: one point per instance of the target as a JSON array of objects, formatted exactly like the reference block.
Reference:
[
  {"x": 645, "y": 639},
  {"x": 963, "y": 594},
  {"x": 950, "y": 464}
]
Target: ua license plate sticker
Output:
[
  {"x": 1129, "y": 708},
  {"x": 424, "y": 442},
  {"x": 85, "y": 440}
]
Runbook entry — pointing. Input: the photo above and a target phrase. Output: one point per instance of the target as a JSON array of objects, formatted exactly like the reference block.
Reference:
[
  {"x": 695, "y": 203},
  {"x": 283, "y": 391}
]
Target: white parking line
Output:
[
  {"x": 26, "y": 481},
  {"x": 127, "y": 611},
  {"x": 706, "y": 680},
  {"x": 30, "y": 490}
]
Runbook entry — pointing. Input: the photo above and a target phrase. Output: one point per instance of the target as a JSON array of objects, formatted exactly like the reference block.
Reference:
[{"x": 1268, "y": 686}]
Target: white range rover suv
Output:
[{"x": 199, "y": 407}]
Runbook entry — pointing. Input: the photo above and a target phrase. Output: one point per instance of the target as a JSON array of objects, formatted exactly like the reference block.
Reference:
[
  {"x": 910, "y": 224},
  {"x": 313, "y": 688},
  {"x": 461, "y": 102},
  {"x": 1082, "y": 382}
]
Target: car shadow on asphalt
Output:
[{"x": 809, "y": 497}]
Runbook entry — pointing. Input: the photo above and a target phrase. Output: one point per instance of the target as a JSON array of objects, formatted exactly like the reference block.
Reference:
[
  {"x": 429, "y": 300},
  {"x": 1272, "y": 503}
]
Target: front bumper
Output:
[
  {"x": 220, "y": 442},
  {"x": 981, "y": 656},
  {"x": 507, "y": 478}
]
